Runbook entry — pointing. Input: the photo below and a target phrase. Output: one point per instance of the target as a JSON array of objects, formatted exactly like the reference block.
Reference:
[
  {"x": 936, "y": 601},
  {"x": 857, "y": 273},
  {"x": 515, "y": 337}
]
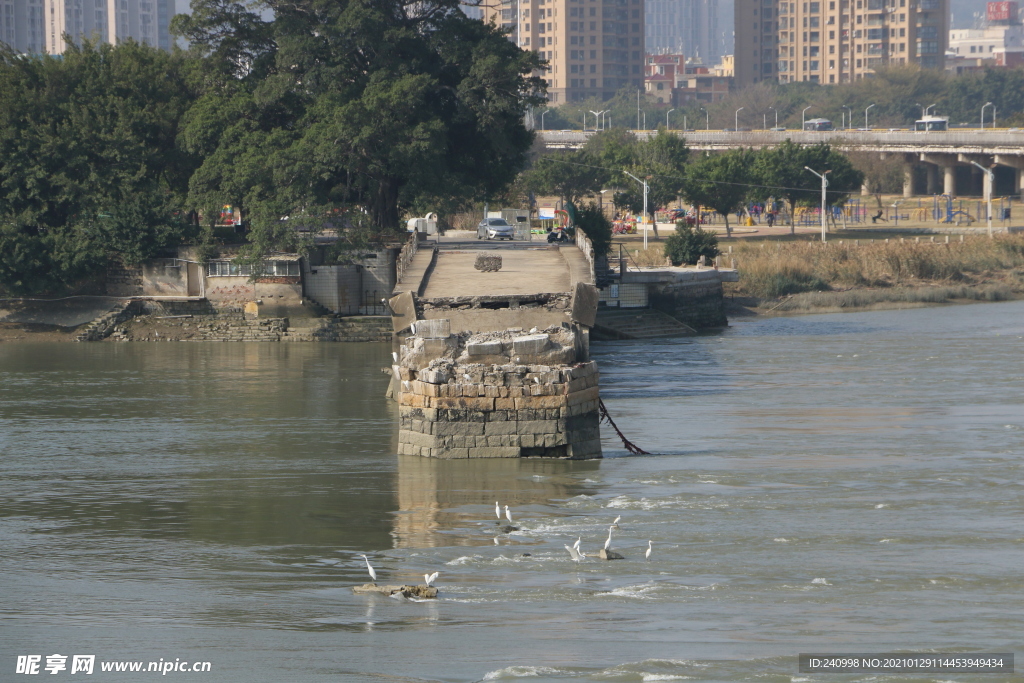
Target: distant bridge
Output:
[{"x": 951, "y": 151}]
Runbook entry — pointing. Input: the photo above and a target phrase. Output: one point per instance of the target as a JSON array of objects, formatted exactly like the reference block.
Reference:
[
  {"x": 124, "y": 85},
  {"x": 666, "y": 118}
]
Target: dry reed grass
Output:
[{"x": 772, "y": 269}]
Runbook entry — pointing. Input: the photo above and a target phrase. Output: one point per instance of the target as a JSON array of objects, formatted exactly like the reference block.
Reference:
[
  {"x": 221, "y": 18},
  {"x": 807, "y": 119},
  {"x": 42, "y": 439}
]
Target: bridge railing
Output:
[
  {"x": 407, "y": 254},
  {"x": 758, "y": 138}
]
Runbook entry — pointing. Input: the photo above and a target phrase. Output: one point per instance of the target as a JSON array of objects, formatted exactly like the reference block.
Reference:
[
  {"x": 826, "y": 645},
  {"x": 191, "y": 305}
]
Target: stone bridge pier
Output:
[{"x": 492, "y": 352}]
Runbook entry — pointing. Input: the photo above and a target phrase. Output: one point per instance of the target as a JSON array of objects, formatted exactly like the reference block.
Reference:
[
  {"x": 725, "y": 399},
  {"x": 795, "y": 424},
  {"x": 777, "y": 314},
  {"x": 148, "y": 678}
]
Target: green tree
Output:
[
  {"x": 721, "y": 182},
  {"x": 591, "y": 219},
  {"x": 89, "y": 166},
  {"x": 782, "y": 172},
  {"x": 569, "y": 175},
  {"x": 379, "y": 106},
  {"x": 659, "y": 160}
]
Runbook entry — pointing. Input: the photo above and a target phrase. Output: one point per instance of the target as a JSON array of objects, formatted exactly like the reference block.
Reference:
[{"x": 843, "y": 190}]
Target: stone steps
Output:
[{"x": 639, "y": 323}]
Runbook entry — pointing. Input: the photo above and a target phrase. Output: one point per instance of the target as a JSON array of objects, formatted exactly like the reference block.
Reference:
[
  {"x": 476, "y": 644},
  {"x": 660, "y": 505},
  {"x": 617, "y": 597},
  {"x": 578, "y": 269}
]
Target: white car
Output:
[{"x": 495, "y": 228}]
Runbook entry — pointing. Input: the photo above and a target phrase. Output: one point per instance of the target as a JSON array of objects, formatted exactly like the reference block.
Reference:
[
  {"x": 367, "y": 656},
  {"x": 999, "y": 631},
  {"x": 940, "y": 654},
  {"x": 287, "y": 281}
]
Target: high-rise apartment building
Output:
[
  {"x": 754, "y": 28},
  {"x": 21, "y": 25},
  {"x": 837, "y": 41},
  {"x": 36, "y": 26},
  {"x": 688, "y": 27},
  {"x": 593, "y": 47}
]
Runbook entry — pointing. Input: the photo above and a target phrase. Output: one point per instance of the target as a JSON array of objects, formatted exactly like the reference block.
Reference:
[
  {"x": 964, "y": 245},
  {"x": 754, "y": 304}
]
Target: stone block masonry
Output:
[{"x": 498, "y": 395}]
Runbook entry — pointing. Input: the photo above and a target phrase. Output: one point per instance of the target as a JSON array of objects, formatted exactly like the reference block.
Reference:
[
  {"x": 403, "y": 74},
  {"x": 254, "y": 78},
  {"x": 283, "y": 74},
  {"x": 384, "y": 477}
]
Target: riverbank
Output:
[{"x": 865, "y": 271}]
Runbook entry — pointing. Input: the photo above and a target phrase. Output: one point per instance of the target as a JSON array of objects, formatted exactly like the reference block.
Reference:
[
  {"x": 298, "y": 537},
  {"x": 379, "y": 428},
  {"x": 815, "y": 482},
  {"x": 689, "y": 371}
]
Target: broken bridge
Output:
[{"x": 495, "y": 363}]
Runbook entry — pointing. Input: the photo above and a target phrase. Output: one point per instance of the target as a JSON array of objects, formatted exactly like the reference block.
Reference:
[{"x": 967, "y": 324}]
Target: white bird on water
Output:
[
  {"x": 497, "y": 510},
  {"x": 429, "y": 578},
  {"x": 609, "y": 541},
  {"x": 373, "y": 574},
  {"x": 575, "y": 554},
  {"x": 647, "y": 555},
  {"x": 508, "y": 515},
  {"x": 577, "y": 543},
  {"x": 616, "y": 522}
]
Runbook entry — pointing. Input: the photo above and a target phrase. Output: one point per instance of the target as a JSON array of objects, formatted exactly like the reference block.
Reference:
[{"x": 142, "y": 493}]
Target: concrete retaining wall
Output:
[{"x": 700, "y": 304}]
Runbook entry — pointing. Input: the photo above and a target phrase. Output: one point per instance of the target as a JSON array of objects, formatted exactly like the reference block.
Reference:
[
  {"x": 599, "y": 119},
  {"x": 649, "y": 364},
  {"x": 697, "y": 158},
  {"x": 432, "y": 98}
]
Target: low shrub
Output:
[{"x": 688, "y": 244}]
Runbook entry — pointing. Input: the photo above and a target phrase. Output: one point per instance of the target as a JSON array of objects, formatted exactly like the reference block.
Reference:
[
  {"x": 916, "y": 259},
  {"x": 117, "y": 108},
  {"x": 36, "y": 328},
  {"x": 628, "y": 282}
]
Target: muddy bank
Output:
[
  {"x": 868, "y": 299},
  {"x": 36, "y": 332}
]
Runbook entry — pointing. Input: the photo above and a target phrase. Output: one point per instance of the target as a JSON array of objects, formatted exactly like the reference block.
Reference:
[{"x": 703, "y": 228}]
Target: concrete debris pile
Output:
[
  {"x": 487, "y": 264},
  {"x": 505, "y": 394}
]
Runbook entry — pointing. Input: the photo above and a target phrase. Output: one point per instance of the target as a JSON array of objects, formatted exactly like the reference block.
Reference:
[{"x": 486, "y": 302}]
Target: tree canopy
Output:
[
  {"x": 336, "y": 115},
  {"x": 782, "y": 172},
  {"x": 89, "y": 167},
  {"x": 721, "y": 182},
  {"x": 382, "y": 105}
]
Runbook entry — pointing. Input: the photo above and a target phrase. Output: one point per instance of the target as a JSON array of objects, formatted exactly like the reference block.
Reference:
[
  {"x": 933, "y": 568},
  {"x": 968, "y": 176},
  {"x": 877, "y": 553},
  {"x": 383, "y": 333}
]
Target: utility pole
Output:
[
  {"x": 824, "y": 184},
  {"x": 866, "y": 116},
  {"x": 803, "y": 117},
  {"x": 638, "y": 109},
  {"x": 666, "y": 119}
]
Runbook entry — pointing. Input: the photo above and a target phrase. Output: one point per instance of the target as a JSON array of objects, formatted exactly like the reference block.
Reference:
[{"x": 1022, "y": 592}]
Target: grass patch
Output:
[
  {"x": 863, "y": 298},
  {"x": 769, "y": 270}
]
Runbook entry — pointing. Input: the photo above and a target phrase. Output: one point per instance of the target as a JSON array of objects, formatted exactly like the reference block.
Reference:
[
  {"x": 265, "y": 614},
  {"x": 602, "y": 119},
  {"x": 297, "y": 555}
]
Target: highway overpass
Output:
[{"x": 933, "y": 163}]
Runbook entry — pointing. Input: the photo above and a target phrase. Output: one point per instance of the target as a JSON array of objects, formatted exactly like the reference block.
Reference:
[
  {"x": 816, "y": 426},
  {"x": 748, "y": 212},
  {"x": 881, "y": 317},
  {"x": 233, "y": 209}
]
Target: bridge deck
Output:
[{"x": 532, "y": 270}]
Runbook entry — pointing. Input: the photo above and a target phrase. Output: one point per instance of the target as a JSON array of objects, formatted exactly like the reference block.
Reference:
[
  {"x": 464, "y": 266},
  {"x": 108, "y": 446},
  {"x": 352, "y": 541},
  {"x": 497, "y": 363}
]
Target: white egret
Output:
[
  {"x": 508, "y": 515},
  {"x": 574, "y": 554},
  {"x": 373, "y": 574},
  {"x": 429, "y": 578},
  {"x": 609, "y": 541},
  {"x": 647, "y": 555},
  {"x": 497, "y": 510},
  {"x": 577, "y": 543},
  {"x": 616, "y": 522}
]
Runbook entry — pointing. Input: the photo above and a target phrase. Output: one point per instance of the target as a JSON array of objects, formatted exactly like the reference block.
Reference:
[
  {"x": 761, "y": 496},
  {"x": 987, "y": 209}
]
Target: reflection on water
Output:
[
  {"x": 441, "y": 502},
  {"x": 825, "y": 483}
]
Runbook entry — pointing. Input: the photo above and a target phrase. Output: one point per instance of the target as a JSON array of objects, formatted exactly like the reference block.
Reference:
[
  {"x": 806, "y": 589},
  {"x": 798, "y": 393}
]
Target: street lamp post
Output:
[
  {"x": 666, "y": 118},
  {"x": 644, "y": 183},
  {"x": 928, "y": 108},
  {"x": 803, "y": 117},
  {"x": 638, "y": 110},
  {"x": 923, "y": 108},
  {"x": 851, "y": 115},
  {"x": 776, "y": 116},
  {"x": 824, "y": 184},
  {"x": 707, "y": 118},
  {"x": 542, "y": 115},
  {"x": 596, "y": 114},
  {"x": 866, "y": 116},
  {"x": 737, "y": 128},
  {"x": 988, "y": 192},
  {"x": 987, "y": 104}
]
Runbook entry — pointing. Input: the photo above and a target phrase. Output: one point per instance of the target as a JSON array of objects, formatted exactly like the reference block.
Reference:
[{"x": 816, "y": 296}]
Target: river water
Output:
[{"x": 837, "y": 483}]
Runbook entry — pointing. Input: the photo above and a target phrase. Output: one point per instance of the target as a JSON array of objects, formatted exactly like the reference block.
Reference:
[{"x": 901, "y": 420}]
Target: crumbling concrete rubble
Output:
[
  {"x": 487, "y": 264},
  {"x": 505, "y": 394}
]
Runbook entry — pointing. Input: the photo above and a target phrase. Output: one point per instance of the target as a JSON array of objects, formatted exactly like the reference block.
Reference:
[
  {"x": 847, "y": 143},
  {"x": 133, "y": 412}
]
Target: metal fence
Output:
[{"x": 373, "y": 303}]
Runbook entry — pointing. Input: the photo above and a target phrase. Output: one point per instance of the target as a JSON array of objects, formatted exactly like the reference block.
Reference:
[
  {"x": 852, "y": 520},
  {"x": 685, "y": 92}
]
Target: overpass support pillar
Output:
[
  {"x": 1016, "y": 163},
  {"x": 949, "y": 180},
  {"x": 908, "y": 181},
  {"x": 948, "y": 164},
  {"x": 933, "y": 178}
]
